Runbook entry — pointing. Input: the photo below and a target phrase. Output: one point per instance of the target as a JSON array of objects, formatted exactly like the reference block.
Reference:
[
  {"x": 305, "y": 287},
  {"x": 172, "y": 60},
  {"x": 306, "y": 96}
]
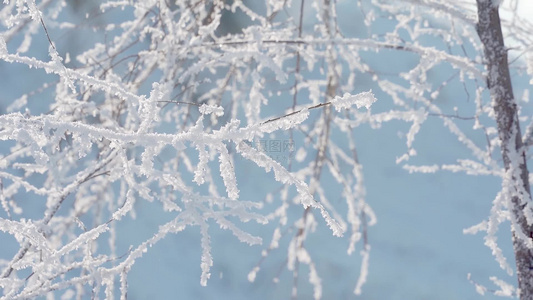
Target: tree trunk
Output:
[{"x": 513, "y": 150}]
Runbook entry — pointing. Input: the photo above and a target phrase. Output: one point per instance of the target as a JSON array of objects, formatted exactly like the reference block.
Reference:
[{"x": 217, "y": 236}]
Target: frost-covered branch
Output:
[{"x": 169, "y": 103}]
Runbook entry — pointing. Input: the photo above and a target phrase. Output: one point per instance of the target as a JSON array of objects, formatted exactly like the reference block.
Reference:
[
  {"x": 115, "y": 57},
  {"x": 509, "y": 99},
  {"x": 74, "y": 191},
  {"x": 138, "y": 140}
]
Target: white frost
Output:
[
  {"x": 206, "y": 109},
  {"x": 365, "y": 99}
]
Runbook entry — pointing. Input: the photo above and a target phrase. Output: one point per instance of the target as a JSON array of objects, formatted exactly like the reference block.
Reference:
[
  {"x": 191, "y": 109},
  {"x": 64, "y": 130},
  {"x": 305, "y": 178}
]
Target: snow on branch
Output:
[
  {"x": 167, "y": 104},
  {"x": 365, "y": 99}
]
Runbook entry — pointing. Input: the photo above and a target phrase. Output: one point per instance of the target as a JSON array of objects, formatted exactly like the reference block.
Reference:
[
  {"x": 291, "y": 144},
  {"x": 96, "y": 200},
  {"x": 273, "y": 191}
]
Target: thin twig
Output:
[
  {"x": 47, "y": 35},
  {"x": 179, "y": 102},
  {"x": 451, "y": 116},
  {"x": 295, "y": 112}
]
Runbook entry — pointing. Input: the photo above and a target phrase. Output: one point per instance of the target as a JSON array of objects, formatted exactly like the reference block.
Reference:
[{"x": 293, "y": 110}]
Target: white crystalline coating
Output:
[
  {"x": 315, "y": 280},
  {"x": 207, "y": 259},
  {"x": 147, "y": 161},
  {"x": 82, "y": 239},
  {"x": 303, "y": 256},
  {"x": 282, "y": 175},
  {"x": 228, "y": 174},
  {"x": 506, "y": 289},
  {"x": 203, "y": 158},
  {"x": 422, "y": 169},
  {"x": 25, "y": 45},
  {"x": 68, "y": 294},
  {"x": 348, "y": 100},
  {"x": 105, "y": 142},
  {"x": 287, "y": 122},
  {"x": 301, "y": 154},
  {"x": 365, "y": 254},
  {"x": 128, "y": 206},
  {"x": 26, "y": 230},
  {"x": 480, "y": 289},
  {"x": 243, "y": 236},
  {"x": 3, "y": 46},
  {"x": 529, "y": 62},
  {"x": 482, "y": 226},
  {"x": 206, "y": 109},
  {"x": 275, "y": 239},
  {"x": 252, "y": 274},
  {"x": 276, "y": 5}
]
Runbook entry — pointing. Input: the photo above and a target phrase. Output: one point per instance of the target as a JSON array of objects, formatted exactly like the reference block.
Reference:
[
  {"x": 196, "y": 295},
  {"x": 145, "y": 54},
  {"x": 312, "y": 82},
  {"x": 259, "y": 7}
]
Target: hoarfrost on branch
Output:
[{"x": 168, "y": 104}]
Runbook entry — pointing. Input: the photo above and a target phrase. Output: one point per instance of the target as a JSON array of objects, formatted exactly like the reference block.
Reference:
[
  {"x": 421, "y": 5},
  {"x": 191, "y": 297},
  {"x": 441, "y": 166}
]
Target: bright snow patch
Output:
[{"x": 365, "y": 99}]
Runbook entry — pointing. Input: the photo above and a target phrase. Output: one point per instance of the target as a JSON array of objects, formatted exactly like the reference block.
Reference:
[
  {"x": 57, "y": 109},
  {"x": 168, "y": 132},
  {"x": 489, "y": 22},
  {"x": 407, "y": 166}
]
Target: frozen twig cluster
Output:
[
  {"x": 169, "y": 101},
  {"x": 125, "y": 126}
]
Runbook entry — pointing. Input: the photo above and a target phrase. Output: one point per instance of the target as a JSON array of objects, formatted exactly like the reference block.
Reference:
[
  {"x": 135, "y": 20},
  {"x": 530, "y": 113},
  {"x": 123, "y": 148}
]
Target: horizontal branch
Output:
[
  {"x": 451, "y": 116},
  {"x": 458, "y": 62}
]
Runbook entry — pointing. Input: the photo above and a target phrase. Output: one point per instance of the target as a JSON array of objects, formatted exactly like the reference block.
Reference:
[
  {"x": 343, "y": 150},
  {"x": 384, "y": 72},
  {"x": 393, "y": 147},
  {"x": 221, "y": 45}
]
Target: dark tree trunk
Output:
[{"x": 513, "y": 151}]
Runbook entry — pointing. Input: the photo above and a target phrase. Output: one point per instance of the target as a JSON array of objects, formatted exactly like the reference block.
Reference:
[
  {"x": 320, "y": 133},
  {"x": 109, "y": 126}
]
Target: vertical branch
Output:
[
  {"x": 513, "y": 150},
  {"x": 298, "y": 58},
  {"x": 323, "y": 138}
]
